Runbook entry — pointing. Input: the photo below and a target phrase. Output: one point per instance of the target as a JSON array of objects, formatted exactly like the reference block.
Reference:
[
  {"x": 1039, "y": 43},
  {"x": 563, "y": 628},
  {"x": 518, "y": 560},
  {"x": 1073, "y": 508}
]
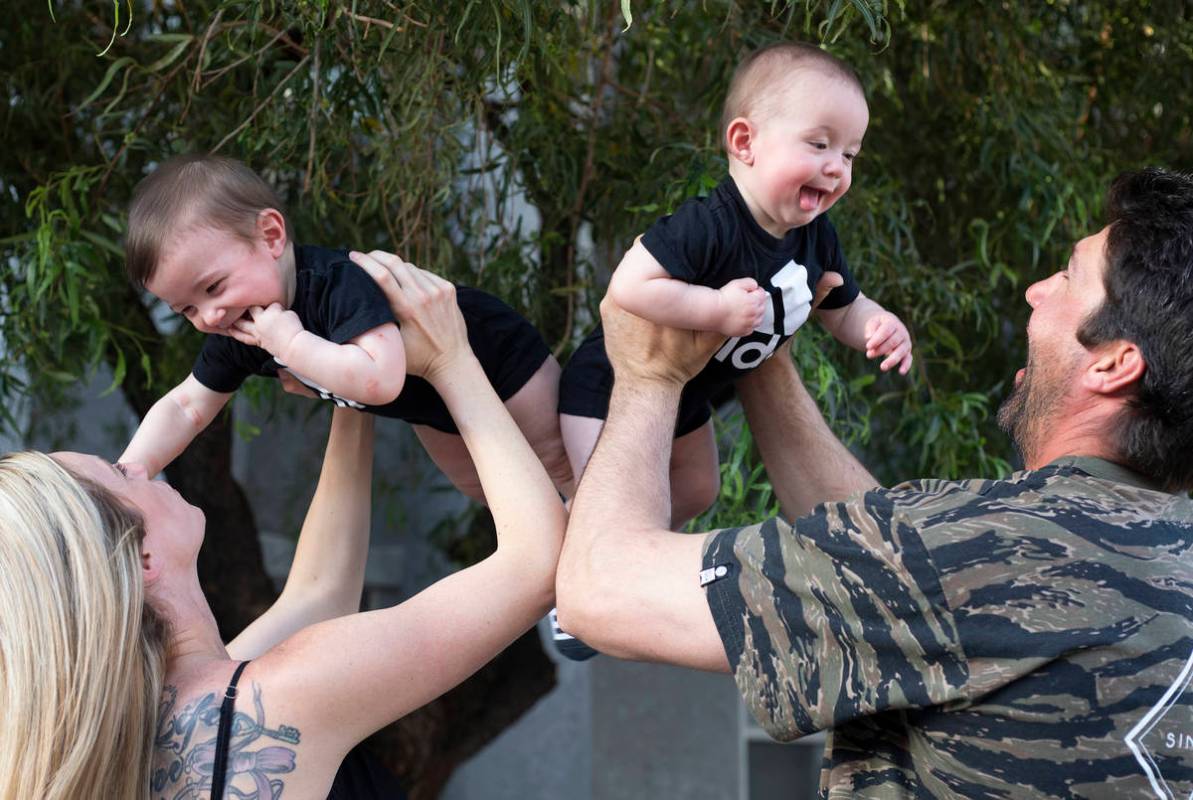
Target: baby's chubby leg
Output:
[
  {"x": 695, "y": 472},
  {"x": 533, "y": 408},
  {"x": 695, "y": 475}
]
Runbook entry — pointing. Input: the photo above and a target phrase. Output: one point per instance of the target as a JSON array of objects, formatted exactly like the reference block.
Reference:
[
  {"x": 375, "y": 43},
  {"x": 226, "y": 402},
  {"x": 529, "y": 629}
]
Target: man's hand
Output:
[
  {"x": 742, "y": 306},
  {"x": 642, "y": 349},
  {"x": 828, "y": 281},
  {"x": 433, "y": 330},
  {"x": 886, "y": 335},
  {"x": 272, "y": 329}
]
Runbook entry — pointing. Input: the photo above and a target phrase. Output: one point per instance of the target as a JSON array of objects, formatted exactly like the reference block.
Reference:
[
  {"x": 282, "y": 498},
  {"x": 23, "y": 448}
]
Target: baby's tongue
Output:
[{"x": 808, "y": 199}]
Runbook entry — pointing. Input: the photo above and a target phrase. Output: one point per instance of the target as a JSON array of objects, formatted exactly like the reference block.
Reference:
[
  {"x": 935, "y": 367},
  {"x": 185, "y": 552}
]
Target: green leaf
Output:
[
  {"x": 118, "y": 373},
  {"x": 627, "y": 15},
  {"x": 172, "y": 56},
  {"x": 114, "y": 68}
]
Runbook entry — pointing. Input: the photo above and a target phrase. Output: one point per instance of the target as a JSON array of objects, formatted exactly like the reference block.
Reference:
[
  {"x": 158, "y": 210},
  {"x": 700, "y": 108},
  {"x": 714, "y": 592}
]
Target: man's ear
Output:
[
  {"x": 272, "y": 227},
  {"x": 1116, "y": 366},
  {"x": 739, "y": 140}
]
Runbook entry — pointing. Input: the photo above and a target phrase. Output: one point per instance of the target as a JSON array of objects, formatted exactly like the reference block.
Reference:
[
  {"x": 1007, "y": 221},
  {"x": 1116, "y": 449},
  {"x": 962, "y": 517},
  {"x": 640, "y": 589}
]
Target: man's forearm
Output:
[
  {"x": 625, "y": 490},
  {"x": 807, "y": 463}
]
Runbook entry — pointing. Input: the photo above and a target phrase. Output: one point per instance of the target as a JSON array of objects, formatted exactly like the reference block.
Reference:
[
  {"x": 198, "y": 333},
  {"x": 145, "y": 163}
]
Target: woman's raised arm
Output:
[
  {"x": 327, "y": 574},
  {"x": 360, "y": 672}
]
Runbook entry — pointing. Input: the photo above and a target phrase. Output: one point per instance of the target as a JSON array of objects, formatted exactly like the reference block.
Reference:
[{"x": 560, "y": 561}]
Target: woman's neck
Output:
[{"x": 194, "y": 634}]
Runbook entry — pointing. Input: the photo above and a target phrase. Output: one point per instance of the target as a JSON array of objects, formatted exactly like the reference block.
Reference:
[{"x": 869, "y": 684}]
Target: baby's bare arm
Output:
[
  {"x": 643, "y": 287},
  {"x": 848, "y": 324},
  {"x": 370, "y": 368},
  {"x": 172, "y": 423},
  {"x": 866, "y": 326}
]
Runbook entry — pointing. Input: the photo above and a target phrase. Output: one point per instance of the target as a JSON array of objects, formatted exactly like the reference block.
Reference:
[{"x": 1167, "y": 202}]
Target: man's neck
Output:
[{"x": 1085, "y": 431}]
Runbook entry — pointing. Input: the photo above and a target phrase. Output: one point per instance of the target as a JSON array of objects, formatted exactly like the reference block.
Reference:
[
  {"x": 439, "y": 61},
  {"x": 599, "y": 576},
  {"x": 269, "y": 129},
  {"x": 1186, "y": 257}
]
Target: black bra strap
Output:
[{"x": 220, "y": 767}]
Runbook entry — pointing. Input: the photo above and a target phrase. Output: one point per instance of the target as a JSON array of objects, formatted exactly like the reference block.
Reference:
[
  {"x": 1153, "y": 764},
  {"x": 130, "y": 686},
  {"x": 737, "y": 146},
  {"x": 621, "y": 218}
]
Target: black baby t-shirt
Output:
[
  {"x": 337, "y": 300},
  {"x": 712, "y": 240}
]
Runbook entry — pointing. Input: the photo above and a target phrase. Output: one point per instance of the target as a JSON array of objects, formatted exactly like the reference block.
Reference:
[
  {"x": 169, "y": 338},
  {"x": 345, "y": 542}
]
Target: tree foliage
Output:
[{"x": 520, "y": 146}]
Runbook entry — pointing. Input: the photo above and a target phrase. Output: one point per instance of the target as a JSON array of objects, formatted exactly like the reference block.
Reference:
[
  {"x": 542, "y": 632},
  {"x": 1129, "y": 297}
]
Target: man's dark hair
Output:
[
  {"x": 1149, "y": 301},
  {"x": 189, "y": 191}
]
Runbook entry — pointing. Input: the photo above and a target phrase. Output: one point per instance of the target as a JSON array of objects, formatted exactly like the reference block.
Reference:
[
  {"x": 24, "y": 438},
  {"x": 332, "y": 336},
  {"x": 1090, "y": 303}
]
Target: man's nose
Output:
[{"x": 1036, "y": 292}]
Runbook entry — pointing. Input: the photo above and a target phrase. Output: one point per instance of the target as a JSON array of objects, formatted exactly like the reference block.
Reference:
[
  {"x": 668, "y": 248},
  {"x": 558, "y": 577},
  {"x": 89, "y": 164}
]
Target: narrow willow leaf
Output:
[
  {"x": 118, "y": 373},
  {"x": 170, "y": 57},
  {"x": 115, "y": 67}
]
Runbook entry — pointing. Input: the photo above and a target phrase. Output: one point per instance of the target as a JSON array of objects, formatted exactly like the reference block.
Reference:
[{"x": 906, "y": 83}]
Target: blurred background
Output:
[{"x": 519, "y": 147}]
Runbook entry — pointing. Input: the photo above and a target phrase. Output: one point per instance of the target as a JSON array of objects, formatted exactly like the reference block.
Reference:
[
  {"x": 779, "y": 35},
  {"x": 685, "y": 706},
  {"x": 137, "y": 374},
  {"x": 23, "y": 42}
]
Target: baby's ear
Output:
[
  {"x": 272, "y": 227},
  {"x": 739, "y": 140}
]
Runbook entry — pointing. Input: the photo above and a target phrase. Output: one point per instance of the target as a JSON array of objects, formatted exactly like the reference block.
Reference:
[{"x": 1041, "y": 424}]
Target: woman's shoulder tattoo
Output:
[{"x": 184, "y": 750}]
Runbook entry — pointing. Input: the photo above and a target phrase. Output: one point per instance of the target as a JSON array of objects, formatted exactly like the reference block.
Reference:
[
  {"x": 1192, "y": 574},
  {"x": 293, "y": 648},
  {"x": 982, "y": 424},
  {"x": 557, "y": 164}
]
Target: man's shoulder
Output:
[{"x": 1090, "y": 479}]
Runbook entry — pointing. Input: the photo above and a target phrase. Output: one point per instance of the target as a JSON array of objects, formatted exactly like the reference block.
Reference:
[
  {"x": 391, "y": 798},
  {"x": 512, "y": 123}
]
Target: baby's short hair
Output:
[
  {"x": 193, "y": 190},
  {"x": 758, "y": 76}
]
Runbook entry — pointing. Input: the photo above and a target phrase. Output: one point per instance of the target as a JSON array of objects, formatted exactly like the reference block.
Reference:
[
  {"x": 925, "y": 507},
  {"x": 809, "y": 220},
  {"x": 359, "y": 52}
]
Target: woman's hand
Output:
[{"x": 433, "y": 329}]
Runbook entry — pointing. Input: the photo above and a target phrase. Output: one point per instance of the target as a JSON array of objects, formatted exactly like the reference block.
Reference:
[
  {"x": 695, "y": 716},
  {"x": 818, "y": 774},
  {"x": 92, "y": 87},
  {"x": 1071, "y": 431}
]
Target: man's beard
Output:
[{"x": 1026, "y": 413}]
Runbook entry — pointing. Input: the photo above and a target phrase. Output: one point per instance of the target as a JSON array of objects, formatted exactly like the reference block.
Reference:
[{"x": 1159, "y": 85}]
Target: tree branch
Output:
[{"x": 261, "y": 106}]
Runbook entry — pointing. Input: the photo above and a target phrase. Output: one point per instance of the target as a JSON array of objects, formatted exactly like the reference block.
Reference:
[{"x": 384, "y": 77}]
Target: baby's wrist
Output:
[{"x": 287, "y": 351}]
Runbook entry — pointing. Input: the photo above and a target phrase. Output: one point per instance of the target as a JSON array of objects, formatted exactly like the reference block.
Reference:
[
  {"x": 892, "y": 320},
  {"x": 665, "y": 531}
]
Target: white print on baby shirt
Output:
[
  {"x": 1165, "y": 727},
  {"x": 796, "y": 297},
  {"x": 324, "y": 393}
]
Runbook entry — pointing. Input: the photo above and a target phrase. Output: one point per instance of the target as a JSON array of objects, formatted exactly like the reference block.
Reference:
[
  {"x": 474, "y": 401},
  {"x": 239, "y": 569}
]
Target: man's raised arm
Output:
[
  {"x": 626, "y": 584},
  {"x": 806, "y": 462}
]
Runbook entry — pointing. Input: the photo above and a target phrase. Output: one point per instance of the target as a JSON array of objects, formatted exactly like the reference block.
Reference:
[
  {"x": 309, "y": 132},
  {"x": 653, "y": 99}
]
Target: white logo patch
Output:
[
  {"x": 795, "y": 301},
  {"x": 1149, "y": 734}
]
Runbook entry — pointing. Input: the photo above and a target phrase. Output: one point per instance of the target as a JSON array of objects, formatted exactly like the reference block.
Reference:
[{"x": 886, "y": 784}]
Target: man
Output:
[{"x": 1025, "y": 637}]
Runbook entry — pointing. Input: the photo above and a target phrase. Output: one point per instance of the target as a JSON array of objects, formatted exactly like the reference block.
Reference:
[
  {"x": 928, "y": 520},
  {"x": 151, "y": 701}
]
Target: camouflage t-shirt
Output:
[{"x": 1029, "y": 637}]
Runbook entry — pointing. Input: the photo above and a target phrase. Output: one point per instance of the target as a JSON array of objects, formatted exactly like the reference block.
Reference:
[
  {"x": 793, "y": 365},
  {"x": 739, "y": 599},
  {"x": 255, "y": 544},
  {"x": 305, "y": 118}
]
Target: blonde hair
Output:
[
  {"x": 82, "y": 655},
  {"x": 755, "y": 90}
]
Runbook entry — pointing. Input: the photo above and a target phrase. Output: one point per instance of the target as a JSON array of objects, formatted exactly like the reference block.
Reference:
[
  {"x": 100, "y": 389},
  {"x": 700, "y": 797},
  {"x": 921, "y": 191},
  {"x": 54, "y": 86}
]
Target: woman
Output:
[{"x": 102, "y": 614}]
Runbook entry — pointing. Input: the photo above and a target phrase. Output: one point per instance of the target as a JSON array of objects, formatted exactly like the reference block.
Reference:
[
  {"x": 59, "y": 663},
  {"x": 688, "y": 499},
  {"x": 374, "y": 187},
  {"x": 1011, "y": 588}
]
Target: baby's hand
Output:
[
  {"x": 886, "y": 335},
  {"x": 271, "y": 328},
  {"x": 743, "y": 304}
]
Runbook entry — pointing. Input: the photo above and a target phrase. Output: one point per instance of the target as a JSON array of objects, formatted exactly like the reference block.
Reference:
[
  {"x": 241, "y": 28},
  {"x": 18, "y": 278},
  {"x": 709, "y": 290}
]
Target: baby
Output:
[
  {"x": 745, "y": 261},
  {"x": 209, "y": 238}
]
